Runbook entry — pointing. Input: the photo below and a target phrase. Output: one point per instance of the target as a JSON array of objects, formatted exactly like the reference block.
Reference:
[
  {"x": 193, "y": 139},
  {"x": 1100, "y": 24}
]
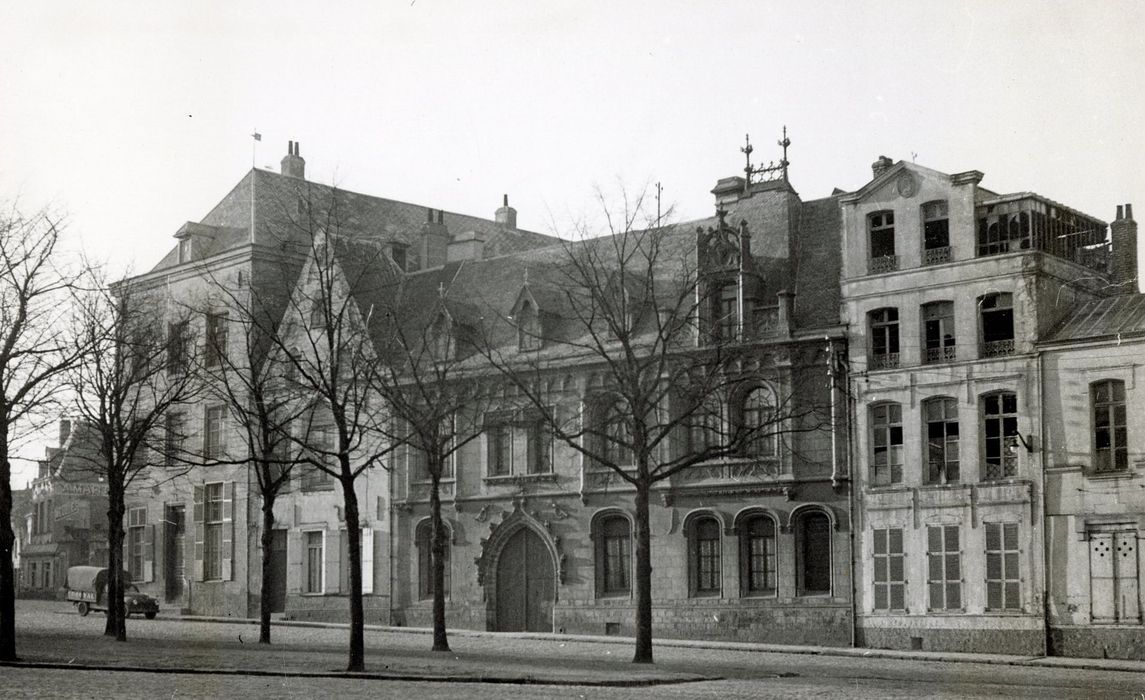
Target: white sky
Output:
[{"x": 134, "y": 117}]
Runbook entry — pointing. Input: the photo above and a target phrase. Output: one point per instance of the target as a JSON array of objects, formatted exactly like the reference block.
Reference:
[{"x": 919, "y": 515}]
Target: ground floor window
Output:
[
  {"x": 944, "y": 567},
  {"x": 312, "y": 563},
  {"x": 1002, "y": 567},
  {"x": 424, "y": 543},
  {"x": 889, "y": 571},
  {"x": 614, "y": 556},
  {"x": 757, "y": 556},
  {"x": 813, "y": 550}
]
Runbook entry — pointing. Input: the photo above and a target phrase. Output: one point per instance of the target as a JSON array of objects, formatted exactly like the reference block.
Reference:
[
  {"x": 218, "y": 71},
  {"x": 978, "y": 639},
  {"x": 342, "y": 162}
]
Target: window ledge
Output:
[
  {"x": 1110, "y": 475},
  {"x": 614, "y": 597},
  {"x": 520, "y": 478},
  {"x": 429, "y": 482}
]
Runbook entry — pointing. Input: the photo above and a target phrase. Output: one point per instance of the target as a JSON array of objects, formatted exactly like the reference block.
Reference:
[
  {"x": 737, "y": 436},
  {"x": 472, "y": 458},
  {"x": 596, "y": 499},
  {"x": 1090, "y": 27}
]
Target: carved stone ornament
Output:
[
  {"x": 906, "y": 185},
  {"x": 499, "y": 534}
]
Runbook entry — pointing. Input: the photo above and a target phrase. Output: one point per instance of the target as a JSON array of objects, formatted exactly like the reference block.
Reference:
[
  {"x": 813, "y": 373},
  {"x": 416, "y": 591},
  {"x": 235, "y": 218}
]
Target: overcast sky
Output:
[{"x": 134, "y": 117}]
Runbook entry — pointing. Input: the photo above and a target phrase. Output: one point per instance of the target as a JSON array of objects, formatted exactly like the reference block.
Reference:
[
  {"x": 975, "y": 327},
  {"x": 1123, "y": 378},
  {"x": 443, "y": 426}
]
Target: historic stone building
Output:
[
  {"x": 66, "y": 520},
  {"x": 947, "y": 289}
]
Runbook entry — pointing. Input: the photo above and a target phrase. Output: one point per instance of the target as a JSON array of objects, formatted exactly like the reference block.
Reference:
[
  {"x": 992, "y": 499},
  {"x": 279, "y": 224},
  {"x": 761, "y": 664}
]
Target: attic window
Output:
[
  {"x": 398, "y": 255},
  {"x": 528, "y": 328},
  {"x": 185, "y": 249},
  {"x": 441, "y": 338}
]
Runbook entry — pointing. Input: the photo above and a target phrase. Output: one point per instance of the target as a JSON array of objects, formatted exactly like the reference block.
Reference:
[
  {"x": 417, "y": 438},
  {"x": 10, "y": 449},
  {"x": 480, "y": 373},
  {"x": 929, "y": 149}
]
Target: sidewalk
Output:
[{"x": 854, "y": 652}]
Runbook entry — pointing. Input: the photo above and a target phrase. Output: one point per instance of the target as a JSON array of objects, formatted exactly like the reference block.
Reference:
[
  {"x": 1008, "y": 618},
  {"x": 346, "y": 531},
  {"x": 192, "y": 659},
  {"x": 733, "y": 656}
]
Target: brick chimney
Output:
[
  {"x": 506, "y": 215},
  {"x": 880, "y": 166},
  {"x": 1123, "y": 262},
  {"x": 292, "y": 163},
  {"x": 466, "y": 245},
  {"x": 434, "y": 240}
]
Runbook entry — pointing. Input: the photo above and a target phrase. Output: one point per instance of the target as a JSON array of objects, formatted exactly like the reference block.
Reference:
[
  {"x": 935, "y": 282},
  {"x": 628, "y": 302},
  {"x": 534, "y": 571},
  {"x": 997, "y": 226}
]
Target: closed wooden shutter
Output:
[
  {"x": 198, "y": 517},
  {"x": 331, "y": 550},
  {"x": 149, "y": 554},
  {"x": 228, "y": 530},
  {"x": 294, "y": 559}
]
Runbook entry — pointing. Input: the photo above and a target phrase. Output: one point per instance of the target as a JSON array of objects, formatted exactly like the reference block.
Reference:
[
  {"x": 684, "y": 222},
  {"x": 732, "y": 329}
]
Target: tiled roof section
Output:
[
  {"x": 817, "y": 251},
  {"x": 1111, "y": 317},
  {"x": 280, "y": 199}
]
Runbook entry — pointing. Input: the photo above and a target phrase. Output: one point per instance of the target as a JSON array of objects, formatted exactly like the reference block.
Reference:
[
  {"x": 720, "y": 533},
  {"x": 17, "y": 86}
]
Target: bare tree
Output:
[
  {"x": 637, "y": 308},
  {"x": 434, "y": 401},
  {"x": 138, "y": 366},
  {"x": 35, "y": 352},
  {"x": 250, "y": 379},
  {"x": 328, "y": 356}
]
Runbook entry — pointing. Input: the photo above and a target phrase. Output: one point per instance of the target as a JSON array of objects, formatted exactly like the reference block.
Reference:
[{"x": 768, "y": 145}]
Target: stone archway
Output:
[{"x": 525, "y": 584}]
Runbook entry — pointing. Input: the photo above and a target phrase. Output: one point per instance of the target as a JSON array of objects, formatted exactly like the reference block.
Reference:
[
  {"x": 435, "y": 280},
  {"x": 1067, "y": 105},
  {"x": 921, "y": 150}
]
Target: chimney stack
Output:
[
  {"x": 880, "y": 166},
  {"x": 434, "y": 240},
  {"x": 292, "y": 163},
  {"x": 1123, "y": 261},
  {"x": 506, "y": 215},
  {"x": 466, "y": 245}
]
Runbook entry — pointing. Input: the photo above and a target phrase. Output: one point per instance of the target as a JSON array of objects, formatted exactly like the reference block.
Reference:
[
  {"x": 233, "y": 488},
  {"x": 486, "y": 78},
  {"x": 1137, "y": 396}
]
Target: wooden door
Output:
[{"x": 526, "y": 586}]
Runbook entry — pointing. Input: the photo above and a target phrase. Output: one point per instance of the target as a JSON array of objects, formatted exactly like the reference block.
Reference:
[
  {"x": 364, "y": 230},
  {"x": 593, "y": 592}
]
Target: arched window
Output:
[
  {"x": 1110, "y": 436},
  {"x": 423, "y": 540},
  {"x": 935, "y": 232},
  {"x": 613, "y": 545},
  {"x": 707, "y": 424},
  {"x": 941, "y": 415},
  {"x": 758, "y": 423},
  {"x": 704, "y": 543},
  {"x": 886, "y": 444},
  {"x": 757, "y": 556},
  {"x": 813, "y": 550}
]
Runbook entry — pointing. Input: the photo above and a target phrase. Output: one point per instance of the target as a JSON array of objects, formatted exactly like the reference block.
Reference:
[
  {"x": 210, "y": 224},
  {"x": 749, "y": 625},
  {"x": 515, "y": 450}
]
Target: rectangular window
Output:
[
  {"x": 136, "y": 524},
  {"x": 616, "y": 556},
  {"x": 47, "y": 570},
  {"x": 889, "y": 569},
  {"x": 214, "y": 435},
  {"x": 707, "y": 557},
  {"x": 941, "y": 440},
  {"x": 1114, "y": 577},
  {"x": 944, "y": 568},
  {"x": 881, "y": 228},
  {"x": 518, "y": 445},
  {"x": 1110, "y": 435},
  {"x": 173, "y": 439},
  {"x": 322, "y": 442},
  {"x": 884, "y": 327},
  {"x": 540, "y": 446},
  {"x": 213, "y": 531},
  {"x": 313, "y": 562},
  {"x": 1002, "y": 572},
  {"x": 938, "y": 331},
  {"x": 178, "y": 339},
  {"x": 1000, "y": 434},
  {"x": 886, "y": 444},
  {"x": 216, "y": 338},
  {"x": 935, "y": 232},
  {"x": 997, "y": 321},
  {"x": 757, "y": 556},
  {"x": 500, "y": 436},
  {"x": 727, "y": 312}
]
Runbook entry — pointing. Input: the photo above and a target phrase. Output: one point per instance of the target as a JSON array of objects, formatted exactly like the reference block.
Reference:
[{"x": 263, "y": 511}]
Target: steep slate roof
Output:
[
  {"x": 277, "y": 200},
  {"x": 1104, "y": 318}
]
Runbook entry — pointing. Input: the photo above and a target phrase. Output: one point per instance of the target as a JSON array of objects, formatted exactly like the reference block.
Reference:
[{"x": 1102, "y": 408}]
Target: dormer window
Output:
[
  {"x": 725, "y": 311},
  {"x": 185, "y": 250},
  {"x": 441, "y": 338},
  {"x": 398, "y": 255},
  {"x": 528, "y": 327}
]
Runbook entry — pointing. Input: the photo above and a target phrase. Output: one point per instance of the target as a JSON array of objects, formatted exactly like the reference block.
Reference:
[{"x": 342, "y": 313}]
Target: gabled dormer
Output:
[
  {"x": 729, "y": 288},
  {"x": 528, "y": 318}
]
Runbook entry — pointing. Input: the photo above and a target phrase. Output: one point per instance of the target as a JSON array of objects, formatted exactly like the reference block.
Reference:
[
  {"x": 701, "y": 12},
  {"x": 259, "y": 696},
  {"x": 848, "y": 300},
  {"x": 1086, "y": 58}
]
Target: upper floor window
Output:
[
  {"x": 881, "y": 231},
  {"x": 996, "y": 315},
  {"x": 884, "y": 325},
  {"x": 886, "y": 444},
  {"x": 725, "y": 311},
  {"x": 941, "y": 440},
  {"x": 529, "y": 335},
  {"x": 214, "y": 434},
  {"x": 1000, "y": 434},
  {"x": 518, "y": 444},
  {"x": 935, "y": 232},
  {"x": 398, "y": 255},
  {"x": 615, "y": 433},
  {"x": 613, "y": 556},
  {"x": 706, "y": 425},
  {"x": 1110, "y": 436},
  {"x": 216, "y": 338},
  {"x": 185, "y": 249},
  {"x": 938, "y": 331},
  {"x": 1003, "y": 233},
  {"x": 705, "y": 559},
  {"x": 757, "y": 420},
  {"x": 178, "y": 339}
]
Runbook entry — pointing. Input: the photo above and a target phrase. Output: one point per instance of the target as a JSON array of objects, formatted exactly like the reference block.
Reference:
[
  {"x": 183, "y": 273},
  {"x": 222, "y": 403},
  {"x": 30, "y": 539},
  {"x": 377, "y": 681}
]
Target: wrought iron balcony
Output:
[
  {"x": 883, "y": 263},
  {"x": 939, "y": 355},
  {"x": 888, "y": 360},
  {"x": 997, "y": 348},
  {"x": 936, "y": 256}
]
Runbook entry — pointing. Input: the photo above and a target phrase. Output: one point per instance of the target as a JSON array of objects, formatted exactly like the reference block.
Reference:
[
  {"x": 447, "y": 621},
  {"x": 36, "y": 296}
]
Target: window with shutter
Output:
[{"x": 944, "y": 568}]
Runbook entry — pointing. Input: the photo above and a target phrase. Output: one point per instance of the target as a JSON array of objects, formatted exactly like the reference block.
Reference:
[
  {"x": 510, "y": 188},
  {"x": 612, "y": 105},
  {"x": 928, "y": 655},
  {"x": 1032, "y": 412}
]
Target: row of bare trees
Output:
[{"x": 339, "y": 365}]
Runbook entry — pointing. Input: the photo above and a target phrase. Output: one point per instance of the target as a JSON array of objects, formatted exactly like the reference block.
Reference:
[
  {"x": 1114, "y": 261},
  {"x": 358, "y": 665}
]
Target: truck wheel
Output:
[
  {"x": 149, "y": 616},
  {"x": 83, "y": 609}
]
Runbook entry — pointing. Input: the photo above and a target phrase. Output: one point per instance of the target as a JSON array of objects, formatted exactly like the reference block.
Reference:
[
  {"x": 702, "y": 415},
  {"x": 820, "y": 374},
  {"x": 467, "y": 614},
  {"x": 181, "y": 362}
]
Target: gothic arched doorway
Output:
[{"x": 526, "y": 585}]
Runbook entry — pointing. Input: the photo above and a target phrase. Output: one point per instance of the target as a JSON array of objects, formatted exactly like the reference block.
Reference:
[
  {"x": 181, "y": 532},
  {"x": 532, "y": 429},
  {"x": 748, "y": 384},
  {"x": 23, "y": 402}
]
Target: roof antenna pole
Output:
[{"x": 254, "y": 139}]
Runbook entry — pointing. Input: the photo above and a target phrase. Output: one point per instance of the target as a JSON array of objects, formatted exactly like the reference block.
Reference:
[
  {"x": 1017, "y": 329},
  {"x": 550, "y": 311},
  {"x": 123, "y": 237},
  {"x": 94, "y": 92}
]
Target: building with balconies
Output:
[{"x": 947, "y": 289}]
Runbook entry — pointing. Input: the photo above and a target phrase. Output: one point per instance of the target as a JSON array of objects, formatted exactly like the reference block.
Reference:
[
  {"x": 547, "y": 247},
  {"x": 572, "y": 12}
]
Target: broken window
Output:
[
  {"x": 997, "y": 319},
  {"x": 935, "y": 232},
  {"x": 938, "y": 331}
]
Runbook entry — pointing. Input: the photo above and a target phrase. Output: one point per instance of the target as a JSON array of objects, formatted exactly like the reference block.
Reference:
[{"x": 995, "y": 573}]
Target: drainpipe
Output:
[
  {"x": 834, "y": 418},
  {"x": 1046, "y": 643}
]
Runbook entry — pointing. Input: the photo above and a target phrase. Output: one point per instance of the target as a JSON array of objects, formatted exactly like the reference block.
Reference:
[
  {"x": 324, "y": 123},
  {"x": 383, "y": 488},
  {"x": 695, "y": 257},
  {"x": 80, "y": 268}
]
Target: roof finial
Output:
[
  {"x": 784, "y": 143},
  {"x": 526, "y": 274},
  {"x": 746, "y": 149}
]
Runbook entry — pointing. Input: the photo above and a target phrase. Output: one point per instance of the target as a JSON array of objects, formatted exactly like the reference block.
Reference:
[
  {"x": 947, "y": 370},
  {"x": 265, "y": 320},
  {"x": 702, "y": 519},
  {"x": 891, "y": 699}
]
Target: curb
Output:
[{"x": 1069, "y": 662}]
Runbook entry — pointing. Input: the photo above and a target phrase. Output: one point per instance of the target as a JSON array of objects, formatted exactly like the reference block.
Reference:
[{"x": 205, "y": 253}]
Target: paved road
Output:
[{"x": 51, "y": 632}]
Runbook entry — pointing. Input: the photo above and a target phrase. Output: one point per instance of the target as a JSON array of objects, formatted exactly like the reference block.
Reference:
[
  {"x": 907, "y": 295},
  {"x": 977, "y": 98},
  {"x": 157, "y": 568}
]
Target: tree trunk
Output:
[
  {"x": 116, "y": 618},
  {"x": 7, "y": 544},
  {"x": 267, "y": 568},
  {"x": 437, "y": 549},
  {"x": 354, "y": 537},
  {"x": 643, "y": 577}
]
